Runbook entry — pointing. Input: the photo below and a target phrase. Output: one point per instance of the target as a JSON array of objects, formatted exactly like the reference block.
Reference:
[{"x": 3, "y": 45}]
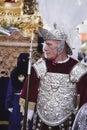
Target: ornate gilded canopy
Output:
[
  {"x": 23, "y": 17},
  {"x": 21, "y": 14}
]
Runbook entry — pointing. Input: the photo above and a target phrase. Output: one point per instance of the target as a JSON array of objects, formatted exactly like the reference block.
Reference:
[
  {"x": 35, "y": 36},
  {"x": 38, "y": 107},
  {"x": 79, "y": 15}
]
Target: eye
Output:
[{"x": 49, "y": 44}]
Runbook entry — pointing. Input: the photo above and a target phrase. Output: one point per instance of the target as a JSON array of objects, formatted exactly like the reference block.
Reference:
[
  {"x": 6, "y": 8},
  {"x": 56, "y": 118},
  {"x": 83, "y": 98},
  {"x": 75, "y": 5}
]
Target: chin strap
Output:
[{"x": 61, "y": 47}]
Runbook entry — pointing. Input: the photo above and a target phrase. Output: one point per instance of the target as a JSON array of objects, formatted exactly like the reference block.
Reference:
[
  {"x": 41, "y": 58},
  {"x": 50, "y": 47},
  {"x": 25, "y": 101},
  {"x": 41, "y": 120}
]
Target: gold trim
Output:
[
  {"x": 22, "y": 101},
  {"x": 4, "y": 122},
  {"x": 31, "y": 105},
  {"x": 20, "y": 16}
]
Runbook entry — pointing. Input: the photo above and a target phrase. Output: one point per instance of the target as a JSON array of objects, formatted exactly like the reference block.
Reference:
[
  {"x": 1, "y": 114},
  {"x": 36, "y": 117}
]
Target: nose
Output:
[{"x": 45, "y": 47}]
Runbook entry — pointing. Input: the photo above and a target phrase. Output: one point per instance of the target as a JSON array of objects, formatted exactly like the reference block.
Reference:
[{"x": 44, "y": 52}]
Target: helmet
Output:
[{"x": 56, "y": 34}]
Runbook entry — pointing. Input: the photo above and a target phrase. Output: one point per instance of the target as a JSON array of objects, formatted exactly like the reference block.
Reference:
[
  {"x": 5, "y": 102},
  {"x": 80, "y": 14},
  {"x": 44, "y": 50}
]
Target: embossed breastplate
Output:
[{"x": 56, "y": 98}]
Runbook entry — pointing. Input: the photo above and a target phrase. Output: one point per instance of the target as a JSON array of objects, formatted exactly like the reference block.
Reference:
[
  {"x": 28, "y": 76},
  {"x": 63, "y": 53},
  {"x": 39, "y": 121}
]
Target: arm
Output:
[{"x": 33, "y": 92}]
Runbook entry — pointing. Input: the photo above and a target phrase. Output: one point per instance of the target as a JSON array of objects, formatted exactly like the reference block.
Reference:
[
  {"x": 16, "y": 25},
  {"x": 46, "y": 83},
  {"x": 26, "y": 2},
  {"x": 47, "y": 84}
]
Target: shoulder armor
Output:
[
  {"x": 78, "y": 71},
  {"x": 40, "y": 67}
]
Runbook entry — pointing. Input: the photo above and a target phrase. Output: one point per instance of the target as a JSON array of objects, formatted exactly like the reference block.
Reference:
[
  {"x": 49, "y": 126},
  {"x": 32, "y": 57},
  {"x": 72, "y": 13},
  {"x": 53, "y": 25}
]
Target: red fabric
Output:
[
  {"x": 82, "y": 90},
  {"x": 33, "y": 91},
  {"x": 10, "y": 1}
]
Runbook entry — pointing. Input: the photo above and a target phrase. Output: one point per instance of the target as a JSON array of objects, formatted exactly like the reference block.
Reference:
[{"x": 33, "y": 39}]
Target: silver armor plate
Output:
[
  {"x": 40, "y": 67},
  {"x": 56, "y": 98},
  {"x": 80, "y": 122},
  {"x": 78, "y": 71}
]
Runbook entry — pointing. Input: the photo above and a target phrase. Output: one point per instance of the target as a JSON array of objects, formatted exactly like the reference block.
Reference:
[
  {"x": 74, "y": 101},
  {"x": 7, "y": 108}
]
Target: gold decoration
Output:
[{"x": 16, "y": 15}]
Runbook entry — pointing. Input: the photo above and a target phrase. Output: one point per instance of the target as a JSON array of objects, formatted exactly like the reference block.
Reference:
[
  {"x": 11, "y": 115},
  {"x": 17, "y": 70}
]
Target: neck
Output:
[{"x": 60, "y": 58}]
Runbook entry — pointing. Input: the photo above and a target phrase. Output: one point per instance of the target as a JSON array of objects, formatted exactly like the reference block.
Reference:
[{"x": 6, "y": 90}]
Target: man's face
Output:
[{"x": 50, "y": 48}]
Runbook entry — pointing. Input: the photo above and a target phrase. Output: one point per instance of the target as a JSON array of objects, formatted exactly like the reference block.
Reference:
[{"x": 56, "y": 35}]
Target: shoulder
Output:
[
  {"x": 78, "y": 71},
  {"x": 73, "y": 60},
  {"x": 40, "y": 67}
]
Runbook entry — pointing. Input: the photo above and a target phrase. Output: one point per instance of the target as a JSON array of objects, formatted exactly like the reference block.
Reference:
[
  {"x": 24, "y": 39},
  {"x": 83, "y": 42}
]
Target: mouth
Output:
[{"x": 47, "y": 53}]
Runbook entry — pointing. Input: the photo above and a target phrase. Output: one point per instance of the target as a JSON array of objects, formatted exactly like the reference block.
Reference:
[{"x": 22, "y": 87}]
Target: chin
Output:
[{"x": 50, "y": 58}]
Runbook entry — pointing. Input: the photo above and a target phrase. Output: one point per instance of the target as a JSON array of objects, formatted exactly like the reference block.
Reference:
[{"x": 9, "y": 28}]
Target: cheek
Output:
[{"x": 54, "y": 51}]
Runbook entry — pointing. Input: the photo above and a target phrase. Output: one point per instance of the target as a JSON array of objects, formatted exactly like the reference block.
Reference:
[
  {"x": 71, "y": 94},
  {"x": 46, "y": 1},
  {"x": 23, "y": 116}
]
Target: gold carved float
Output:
[
  {"x": 21, "y": 14},
  {"x": 24, "y": 16}
]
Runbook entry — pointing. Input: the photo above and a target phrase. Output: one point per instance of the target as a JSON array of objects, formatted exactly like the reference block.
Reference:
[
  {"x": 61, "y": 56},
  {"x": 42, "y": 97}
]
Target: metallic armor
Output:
[
  {"x": 57, "y": 94},
  {"x": 56, "y": 98},
  {"x": 78, "y": 71},
  {"x": 80, "y": 122}
]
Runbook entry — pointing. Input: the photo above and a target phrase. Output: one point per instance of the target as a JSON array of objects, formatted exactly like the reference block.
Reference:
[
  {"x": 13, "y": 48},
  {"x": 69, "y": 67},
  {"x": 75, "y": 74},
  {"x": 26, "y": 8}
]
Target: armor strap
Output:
[
  {"x": 79, "y": 70},
  {"x": 40, "y": 67}
]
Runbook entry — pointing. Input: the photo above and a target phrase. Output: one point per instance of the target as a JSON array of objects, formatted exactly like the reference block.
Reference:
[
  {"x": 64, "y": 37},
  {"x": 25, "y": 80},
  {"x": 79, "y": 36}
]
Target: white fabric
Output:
[
  {"x": 30, "y": 114},
  {"x": 73, "y": 12},
  {"x": 64, "y": 60},
  {"x": 10, "y": 109}
]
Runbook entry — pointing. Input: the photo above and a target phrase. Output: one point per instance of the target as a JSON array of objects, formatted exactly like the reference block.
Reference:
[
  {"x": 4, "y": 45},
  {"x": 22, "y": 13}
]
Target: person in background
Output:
[
  {"x": 81, "y": 56},
  {"x": 84, "y": 51},
  {"x": 53, "y": 84},
  {"x": 16, "y": 81}
]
